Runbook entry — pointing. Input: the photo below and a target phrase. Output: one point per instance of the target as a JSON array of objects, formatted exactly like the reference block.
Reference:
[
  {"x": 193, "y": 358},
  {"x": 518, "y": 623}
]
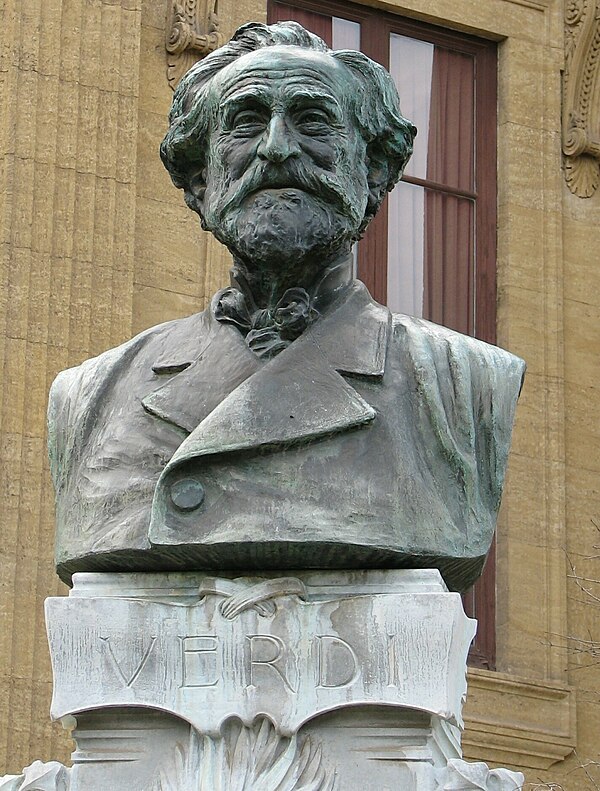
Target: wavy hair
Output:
[{"x": 374, "y": 103}]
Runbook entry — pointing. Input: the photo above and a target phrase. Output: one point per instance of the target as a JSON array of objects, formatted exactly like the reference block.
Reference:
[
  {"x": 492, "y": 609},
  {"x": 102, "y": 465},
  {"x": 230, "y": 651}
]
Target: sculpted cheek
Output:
[
  {"x": 323, "y": 153},
  {"x": 236, "y": 155}
]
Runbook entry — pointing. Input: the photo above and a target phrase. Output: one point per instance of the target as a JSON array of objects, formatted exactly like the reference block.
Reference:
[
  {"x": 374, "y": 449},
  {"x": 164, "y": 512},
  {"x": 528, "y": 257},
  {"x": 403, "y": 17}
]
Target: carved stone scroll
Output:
[
  {"x": 581, "y": 101},
  {"x": 192, "y": 32},
  {"x": 459, "y": 774}
]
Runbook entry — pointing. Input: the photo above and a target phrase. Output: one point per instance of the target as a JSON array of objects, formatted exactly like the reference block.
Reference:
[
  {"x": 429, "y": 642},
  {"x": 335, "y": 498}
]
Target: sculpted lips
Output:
[{"x": 292, "y": 195}]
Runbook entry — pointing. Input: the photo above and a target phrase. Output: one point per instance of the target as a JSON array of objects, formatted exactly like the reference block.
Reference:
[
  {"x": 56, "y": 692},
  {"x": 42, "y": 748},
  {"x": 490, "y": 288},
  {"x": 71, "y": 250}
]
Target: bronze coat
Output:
[{"x": 372, "y": 440}]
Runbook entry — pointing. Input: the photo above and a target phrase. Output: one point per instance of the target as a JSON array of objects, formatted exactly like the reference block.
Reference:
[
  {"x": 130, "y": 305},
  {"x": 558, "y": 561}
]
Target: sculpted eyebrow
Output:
[
  {"x": 324, "y": 100},
  {"x": 243, "y": 98},
  {"x": 255, "y": 95}
]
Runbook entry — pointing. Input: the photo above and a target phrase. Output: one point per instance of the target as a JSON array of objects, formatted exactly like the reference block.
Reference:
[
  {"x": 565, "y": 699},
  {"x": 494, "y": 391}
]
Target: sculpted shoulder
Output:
[
  {"x": 176, "y": 332},
  {"x": 428, "y": 340},
  {"x": 466, "y": 394},
  {"x": 75, "y": 390}
]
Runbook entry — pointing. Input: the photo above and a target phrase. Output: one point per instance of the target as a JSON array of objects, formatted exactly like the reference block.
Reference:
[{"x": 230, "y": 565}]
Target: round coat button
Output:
[{"x": 187, "y": 494}]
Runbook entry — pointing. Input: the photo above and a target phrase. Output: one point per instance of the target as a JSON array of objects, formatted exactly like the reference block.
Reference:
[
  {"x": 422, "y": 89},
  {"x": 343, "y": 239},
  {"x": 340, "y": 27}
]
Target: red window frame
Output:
[{"x": 376, "y": 27}]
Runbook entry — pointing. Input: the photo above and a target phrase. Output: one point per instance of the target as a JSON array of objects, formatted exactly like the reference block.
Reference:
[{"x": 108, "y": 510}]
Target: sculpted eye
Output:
[
  {"x": 317, "y": 119},
  {"x": 247, "y": 120}
]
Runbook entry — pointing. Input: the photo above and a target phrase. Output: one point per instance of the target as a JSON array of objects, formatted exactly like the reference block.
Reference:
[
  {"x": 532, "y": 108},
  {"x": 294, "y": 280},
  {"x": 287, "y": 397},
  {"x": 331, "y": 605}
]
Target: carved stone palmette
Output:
[
  {"x": 192, "y": 33},
  {"x": 581, "y": 94},
  {"x": 245, "y": 758}
]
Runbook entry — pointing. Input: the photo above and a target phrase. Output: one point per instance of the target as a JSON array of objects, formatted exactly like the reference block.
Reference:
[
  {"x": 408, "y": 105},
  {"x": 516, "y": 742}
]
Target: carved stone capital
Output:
[
  {"x": 325, "y": 681},
  {"x": 192, "y": 33},
  {"x": 581, "y": 100}
]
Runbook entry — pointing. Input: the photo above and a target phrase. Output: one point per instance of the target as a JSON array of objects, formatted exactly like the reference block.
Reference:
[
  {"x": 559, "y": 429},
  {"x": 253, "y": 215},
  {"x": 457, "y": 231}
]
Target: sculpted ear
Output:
[
  {"x": 195, "y": 190},
  {"x": 378, "y": 179}
]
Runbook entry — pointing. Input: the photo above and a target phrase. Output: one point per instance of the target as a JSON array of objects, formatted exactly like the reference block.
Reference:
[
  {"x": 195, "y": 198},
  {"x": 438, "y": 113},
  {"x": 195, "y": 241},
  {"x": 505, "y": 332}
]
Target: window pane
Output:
[
  {"x": 436, "y": 88},
  {"x": 406, "y": 218},
  {"x": 411, "y": 65},
  {"x": 430, "y": 249},
  {"x": 450, "y": 145},
  {"x": 448, "y": 290},
  {"x": 345, "y": 34}
]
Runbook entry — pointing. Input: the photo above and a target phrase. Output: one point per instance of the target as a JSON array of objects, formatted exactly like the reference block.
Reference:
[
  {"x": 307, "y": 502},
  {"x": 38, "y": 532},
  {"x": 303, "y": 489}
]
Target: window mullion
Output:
[{"x": 435, "y": 185}]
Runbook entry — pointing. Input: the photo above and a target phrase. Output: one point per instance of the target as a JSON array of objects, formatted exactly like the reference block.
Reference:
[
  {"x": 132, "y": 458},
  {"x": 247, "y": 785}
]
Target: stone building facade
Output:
[{"x": 96, "y": 245}]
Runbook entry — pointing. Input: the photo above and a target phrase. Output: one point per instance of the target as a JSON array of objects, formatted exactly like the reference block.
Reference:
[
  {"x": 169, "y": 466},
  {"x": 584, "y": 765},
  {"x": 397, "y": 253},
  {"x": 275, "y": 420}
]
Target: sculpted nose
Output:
[{"x": 278, "y": 143}]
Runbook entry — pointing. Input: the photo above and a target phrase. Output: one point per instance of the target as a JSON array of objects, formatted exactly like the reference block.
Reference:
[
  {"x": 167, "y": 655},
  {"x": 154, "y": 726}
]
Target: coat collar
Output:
[
  {"x": 239, "y": 401},
  {"x": 353, "y": 336}
]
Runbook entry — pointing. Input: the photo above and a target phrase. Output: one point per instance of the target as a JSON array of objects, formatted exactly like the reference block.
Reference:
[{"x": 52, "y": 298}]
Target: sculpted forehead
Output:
[{"x": 280, "y": 68}]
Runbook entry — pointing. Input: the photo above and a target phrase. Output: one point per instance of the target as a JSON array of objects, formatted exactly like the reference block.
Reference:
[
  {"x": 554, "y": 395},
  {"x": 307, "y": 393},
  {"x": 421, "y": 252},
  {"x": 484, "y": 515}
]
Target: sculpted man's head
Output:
[{"x": 285, "y": 148}]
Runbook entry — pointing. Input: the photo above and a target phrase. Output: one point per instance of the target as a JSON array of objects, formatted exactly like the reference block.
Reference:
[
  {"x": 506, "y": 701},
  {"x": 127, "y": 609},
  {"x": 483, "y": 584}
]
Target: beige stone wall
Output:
[
  {"x": 67, "y": 206},
  {"x": 97, "y": 244},
  {"x": 581, "y": 245}
]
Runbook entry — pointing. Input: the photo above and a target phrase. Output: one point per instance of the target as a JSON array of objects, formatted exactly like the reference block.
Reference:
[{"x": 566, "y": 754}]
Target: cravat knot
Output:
[{"x": 268, "y": 330}]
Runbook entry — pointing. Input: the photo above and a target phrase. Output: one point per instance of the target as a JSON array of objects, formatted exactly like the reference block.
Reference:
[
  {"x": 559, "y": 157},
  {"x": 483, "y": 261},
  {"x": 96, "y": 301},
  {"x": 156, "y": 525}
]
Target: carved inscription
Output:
[
  {"x": 267, "y": 652},
  {"x": 337, "y": 662},
  {"x": 289, "y": 662},
  {"x": 202, "y": 661},
  {"x": 200, "y": 665},
  {"x": 128, "y": 677},
  {"x": 395, "y": 677}
]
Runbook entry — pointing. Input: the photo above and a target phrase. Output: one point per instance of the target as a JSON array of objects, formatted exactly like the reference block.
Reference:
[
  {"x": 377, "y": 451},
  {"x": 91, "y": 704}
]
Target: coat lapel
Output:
[
  {"x": 299, "y": 394},
  {"x": 354, "y": 337},
  {"x": 203, "y": 382}
]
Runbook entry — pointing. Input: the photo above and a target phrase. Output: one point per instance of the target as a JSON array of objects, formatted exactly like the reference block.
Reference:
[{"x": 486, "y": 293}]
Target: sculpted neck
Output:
[{"x": 323, "y": 280}]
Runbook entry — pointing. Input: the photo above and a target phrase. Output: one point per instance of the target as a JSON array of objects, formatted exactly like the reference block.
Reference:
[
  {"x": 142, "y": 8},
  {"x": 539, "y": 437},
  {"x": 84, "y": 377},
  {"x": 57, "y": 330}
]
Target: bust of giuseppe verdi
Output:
[{"x": 295, "y": 423}]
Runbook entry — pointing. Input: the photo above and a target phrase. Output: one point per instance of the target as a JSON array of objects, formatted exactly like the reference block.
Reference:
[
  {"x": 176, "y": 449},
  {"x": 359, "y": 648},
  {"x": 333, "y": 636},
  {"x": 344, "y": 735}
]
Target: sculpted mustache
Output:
[{"x": 293, "y": 175}]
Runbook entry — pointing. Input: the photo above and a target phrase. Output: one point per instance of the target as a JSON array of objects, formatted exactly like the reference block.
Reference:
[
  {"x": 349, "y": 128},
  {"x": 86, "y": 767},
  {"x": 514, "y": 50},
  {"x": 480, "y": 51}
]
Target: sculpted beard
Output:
[{"x": 282, "y": 213}]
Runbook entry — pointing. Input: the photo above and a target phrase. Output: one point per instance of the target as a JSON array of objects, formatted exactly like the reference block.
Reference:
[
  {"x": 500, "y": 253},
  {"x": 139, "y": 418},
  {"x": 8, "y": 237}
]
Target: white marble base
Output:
[
  {"x": 320, "y": 681},
  {"x": 290, "y": 648}
]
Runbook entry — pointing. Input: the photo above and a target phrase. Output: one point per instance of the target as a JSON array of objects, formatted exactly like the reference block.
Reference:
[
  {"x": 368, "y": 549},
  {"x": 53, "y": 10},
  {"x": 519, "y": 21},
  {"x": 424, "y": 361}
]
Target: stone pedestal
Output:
[{"x": 312, "y": 682}]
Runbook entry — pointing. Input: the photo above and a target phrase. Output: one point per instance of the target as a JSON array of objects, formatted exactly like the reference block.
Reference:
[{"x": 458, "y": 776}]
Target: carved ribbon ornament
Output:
[{"x": 581, "y": 100}]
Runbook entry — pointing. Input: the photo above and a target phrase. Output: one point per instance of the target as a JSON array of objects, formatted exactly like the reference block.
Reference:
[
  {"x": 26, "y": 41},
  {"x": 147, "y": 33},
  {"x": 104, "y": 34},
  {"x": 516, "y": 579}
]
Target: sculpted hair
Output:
[{"x": 375, "y": 106}]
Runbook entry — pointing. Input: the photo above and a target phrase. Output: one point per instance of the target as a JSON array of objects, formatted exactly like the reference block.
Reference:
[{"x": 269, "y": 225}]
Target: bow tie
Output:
[{"x": 267, "y": 331}]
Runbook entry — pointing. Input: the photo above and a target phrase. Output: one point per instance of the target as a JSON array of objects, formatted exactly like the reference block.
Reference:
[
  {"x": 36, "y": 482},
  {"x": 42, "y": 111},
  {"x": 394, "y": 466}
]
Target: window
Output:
[{"x": 431, "y": 250}]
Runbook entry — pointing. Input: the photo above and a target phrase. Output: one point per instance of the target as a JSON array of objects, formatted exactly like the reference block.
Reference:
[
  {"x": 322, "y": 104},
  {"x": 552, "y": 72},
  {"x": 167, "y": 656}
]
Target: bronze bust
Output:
[{"x": 295, "y": 423}]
